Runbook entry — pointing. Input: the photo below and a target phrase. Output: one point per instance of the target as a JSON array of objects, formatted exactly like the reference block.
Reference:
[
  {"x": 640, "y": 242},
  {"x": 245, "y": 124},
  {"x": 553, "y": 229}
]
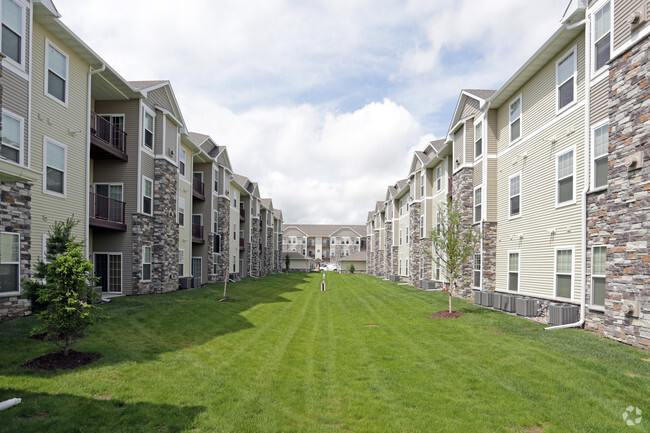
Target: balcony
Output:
[
  {"x": 242, "y": 214},
  {"x": 241, "y": 244},
  {"x": 363, "y": 244},
  {"x": 107, "y": 141},
  {"x": 311, "y": 243},
  {"x": 449, "y": 187},
  {"x": 198, "y": 189},
  {"x": 106, "y": 213},
  {"x": 326, "y": 243},
  {"x": 197, "y": 234}
]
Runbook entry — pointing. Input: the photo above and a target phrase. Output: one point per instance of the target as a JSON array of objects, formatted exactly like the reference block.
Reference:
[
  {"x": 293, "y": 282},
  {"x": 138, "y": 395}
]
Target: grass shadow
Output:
[{"x": 52, "y": 413}]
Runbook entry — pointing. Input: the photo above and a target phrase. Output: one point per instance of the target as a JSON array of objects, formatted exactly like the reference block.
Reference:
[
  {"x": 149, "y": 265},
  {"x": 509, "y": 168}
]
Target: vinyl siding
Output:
[
  {"x": 185, "y": 191},
  {"x": 599, "y": 101},
  {"x": 459, "y": 144},
  {"x": 622, "y": 11},
  {"x": 492, "y": 132},
  {"x": 538, "y": 210},
  {"x": 171, "y": 134},
  {"x": 15, "y": 99},
  {"x": 478, "y": 174},
  {"x": 471, "y": 108},
  {"x": 469, "y": 143},
  {"x": 53, "y": 120},
  {"x": 491, "y": 194},
  {"x": 159, "y": 97},
  {"x": 539, "y": 97}
]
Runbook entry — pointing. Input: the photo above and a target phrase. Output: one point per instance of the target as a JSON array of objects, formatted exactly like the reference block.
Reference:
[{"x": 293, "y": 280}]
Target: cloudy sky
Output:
[{"x": 320, "y": 101}]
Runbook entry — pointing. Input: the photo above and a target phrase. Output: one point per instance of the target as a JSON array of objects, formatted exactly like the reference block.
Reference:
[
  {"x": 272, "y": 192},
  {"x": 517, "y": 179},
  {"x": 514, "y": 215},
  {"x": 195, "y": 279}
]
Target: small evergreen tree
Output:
[
  {"x": 287, "y": 263},
  {"x": 351, "y": 268},
  {"x": 452, "y": 243},
  {"x": 69, "y": 298}
]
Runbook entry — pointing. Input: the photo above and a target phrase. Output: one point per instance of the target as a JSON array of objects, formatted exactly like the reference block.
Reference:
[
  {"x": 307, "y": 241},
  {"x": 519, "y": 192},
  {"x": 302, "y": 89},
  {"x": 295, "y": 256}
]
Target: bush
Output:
[{"x": 351, "y": 268}]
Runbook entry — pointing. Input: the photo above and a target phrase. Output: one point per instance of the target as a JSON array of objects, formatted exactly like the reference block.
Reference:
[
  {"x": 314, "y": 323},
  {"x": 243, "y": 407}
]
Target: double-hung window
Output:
[
  {"x": 515, "y": 195},
  {"x": 477, "y": 270},
  {"x": 513, "y": 271},
  {"x": 146, "y": 263},
  {"x": 515, "y": 120},
  {"x": 12, "y": 138},
  {"x": 216, "y": 181},
  {"x": 566, "y": 73},
  {"x": 563, "y": 272},
  {"x": 147, "y": 196},
  {"x": 400, "y": 236},
  {"x": 478, "y": 140},
  {"x": 149, "y": 125},
  {"x": 422, "y": 226},
  {"x": 598, "y": 270},
  {"x": 407, "y": 235},
  {"x": 13, "y": 31},
  {"x": 9, "y": 262},
  {"x": 182, "y": 159},
  {"x": 478, "y": 201},
  {"x": 602, "y": 23},
  {"x": 56, "y": 81},
  {"x": 438, "y": 178},
  {"x": 565, "y": 184},
  {"x": 181, "y": 212},
  {"x": 55, "y": 165},
  {"x": 422, "y": 183},
  {"x": 600, "y": 139}
]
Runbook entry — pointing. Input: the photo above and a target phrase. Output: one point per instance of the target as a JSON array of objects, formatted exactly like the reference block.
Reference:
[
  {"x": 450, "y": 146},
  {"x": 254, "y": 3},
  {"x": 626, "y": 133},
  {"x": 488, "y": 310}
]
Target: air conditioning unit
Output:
[
  {"x": 508, "y": 302},
  {"x": 562, "y": 314},
  {"x": 487, "y": 298},
  {"x": 395, "y": 278},
  {"x": 496, "y": 301},
  {"x": 526, "y": 307},
  {"x": 184, "y": 283},
  {"x": 477, "y": 297},
  {"x": 427, "y": 285}
]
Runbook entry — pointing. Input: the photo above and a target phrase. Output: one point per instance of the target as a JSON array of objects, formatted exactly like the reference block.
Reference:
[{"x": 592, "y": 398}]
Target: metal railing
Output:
[
  {"x": 107, "y": 209},
  {"x": 197, "y": 231},
  {"x": 107, "y": 132},
  {"x": 198, "y": 186}
]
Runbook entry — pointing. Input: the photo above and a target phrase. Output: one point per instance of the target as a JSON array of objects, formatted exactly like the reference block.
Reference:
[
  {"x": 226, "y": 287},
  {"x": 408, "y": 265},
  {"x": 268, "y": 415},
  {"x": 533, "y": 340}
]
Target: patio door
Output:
[
  {"x": 197, "y": 268},
  {"x": 108, "y": 201},
  {"x": 108, "y": 268}
]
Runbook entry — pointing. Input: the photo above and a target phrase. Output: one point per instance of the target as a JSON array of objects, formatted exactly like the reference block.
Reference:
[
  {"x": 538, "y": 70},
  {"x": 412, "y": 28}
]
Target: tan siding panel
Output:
[
  {"x": 471, "y": 108},
  {"x": 458, "y": 147},
  {"x": 469, "y": 143},
  {"x": 159, "y": 97},
  {"x": 478, "y": 174},
  {"x": 14, "y": 98},
  {"x": 599, "y": 101},
  {"x": 622, "y": 12},
  {"x": 491, "y": 214},
  {"x": 171, "y": 134},
  {"x": 492, "y": 132}
]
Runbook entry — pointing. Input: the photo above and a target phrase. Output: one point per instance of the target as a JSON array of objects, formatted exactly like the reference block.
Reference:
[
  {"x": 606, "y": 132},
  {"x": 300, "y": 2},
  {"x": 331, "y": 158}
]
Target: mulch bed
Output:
[
  {"x": 446, "y": 315},
  {"x": 58, "y": 361}
]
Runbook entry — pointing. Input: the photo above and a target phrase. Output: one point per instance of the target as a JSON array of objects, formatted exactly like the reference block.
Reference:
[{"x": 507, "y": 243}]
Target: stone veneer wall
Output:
[
  {"x": 415, "y": 249},
  {"x": 268, "y": 256},
  {"x": 388, "y": 250},
  {"x": 395, "y": 260},
  {"x": 160, "y": 232},
  {"x": 425, "y": 245},
  {"x": 628, "y": 198},
  {"x": 489, "y": 264},
  {"x": 223, "y": 227},
  {"x": 463, "y": 193},
  {"x": 278, "y": 255},
  {"x": 15, "y": 217},
  {"x": 596, "y": 235},
  {"x": 255, "y": 247}
]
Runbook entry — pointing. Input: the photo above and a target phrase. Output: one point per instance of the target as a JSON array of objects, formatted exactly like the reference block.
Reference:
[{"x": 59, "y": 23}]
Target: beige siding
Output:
[
  {"x": 598, "y": 101},
  {"x": 622, "y": 11},
  {"x": 14, "y": 98},
  {"x": 459, "y": 144},
  {"x": 471, "y": 108},
  {"x": 491, "y": 211},
  {"x": 159, "y": 97},
  {"x": 478, "y": 174},
  {"x": 469, "y": 141},
  {"x": 171, "y": 139},
  {"x": 492, "y": 132}
]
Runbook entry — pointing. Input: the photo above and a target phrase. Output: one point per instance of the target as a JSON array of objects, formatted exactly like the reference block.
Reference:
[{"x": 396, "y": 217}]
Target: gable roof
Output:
[
  {"x": 326, "y": 230},
  {"x": 147, "y": 84},
  {"x": 359, "y": 256},
  {"x": 468, "y": 95}
]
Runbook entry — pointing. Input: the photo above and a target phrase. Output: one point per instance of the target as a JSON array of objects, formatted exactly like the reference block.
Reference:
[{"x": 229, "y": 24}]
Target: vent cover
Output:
[
  {"x": 562, "y": 314},
  {"x": 394, "y": 278},
  {"x": 526, "y": 307}
]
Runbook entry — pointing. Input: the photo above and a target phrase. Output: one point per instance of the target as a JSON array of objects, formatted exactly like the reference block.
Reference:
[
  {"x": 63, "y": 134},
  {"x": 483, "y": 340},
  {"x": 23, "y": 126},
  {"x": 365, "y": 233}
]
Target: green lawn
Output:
[{"x": 286, "y": 357}]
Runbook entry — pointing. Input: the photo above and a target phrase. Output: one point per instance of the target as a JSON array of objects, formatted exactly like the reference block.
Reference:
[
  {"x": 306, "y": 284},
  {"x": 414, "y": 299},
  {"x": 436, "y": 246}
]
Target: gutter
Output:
[{"x": 583, "y": 273}]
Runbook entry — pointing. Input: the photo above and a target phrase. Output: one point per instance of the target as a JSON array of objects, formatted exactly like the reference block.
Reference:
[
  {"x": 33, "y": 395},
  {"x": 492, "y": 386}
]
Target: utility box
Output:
[
  {"x": 427, "y": 285},
  {"x": 395, "y": 278},
  {"x": 508, "y": 302},
  {"x": 487, "y": 298},
  {"x": 562, "y": 314},
  {"x": 526, "y": 307},
  {"x": 496, "y": 301},
  {"x": 477, "y": 297},
  {"x": 184, "y": 283}
]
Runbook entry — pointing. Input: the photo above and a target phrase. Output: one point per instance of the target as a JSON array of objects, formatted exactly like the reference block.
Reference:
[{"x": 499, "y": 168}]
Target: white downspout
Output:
[{"x": 583, "y": 273}]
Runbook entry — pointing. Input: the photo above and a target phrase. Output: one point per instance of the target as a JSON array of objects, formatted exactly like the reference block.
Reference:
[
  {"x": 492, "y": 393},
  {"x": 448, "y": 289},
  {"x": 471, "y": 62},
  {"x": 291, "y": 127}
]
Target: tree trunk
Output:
[
  {"x": 451, "y": 289},
  {"x": 225, "y": 284}
]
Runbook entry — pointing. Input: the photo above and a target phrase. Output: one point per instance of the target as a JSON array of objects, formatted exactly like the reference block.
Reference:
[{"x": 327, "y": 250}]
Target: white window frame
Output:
[
  {"x": 422, "y": 185},
  {"x": 422, "y": 231},
  {"x": 557, "y": 179},
  {"x": 479, "y": 205},
  {"x": 215, "y": 182},
  {"x": 407, "y": 267},
  {"x": 146, "y": 110},
  {"x": 400, "y": 236},
  {"x": 181, "y": 262},
  {"x": 599, "y": 7},
  {"x": 438, "y": 270},
  {"x": 518, "y": 271},
  {"x": 5, "y": 294},
  {"x": 46, "y": 141},
  {"x": 479, "y": 270},
  {"x": 510, "y": 121},
  {"x": 439, "y": 176},
  {"x": 574, "y": 77},
  {"x": 21, "y": 138},
  {"x": 181, "y": 210},
  {"x": 182, "y": 162},
  {"x": 20, "y": 66},
  {"x": 594, "y": 275},
  {"x": 66, "y": 79},
  {"x": 478, "y": 127},
  {"x": 108, "y": 257},
  {"x": 597, "y": 157},
  {"x": 144, "y": 262},
  {"x": 572, "y": 274},
  {"x": 511, "y": 195},
  {"x": 146, "y": 179}
]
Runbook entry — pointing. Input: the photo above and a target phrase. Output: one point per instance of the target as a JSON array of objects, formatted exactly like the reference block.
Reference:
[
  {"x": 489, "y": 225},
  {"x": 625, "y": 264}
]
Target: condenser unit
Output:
[
  {"x": 477, "y": 297},
  {"x": 508, "y": 303},
  {"x": 184, "y": 283},
  {"x": 487, "y": 298},
  {"x": 496, "y": 301},
  {"x": 427, "y": 285},
  {"x": 562, "y": 314},
  {"x": 395, "y": 278},
  {"x": 526, "y": 307}
]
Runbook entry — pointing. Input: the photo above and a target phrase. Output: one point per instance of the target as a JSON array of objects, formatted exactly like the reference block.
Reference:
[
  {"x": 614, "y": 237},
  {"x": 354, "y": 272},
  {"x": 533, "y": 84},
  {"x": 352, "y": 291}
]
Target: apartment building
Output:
[
  {"x": 153, "y": 201},
  {"x": 324, "y": 243},
  {"x": 550, "y": 168}
]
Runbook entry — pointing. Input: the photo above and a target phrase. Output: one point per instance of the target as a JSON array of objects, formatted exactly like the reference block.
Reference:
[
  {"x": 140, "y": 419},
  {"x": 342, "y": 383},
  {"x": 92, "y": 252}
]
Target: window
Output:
[
  {"x": 13, "y": 24},
  {"x": 400, "y": 266},
  {"x": 565, "y": 177},
  {"x": 438, "y": 178},
  {"x": 400, "y": 236},
  {"x": 515, "y": 120},
  {"x": 437, "y": 269},
  {"x": 234, "y": 194},
  {"x": 215, "y": 221},
  {"x": 147, "y": 196},
  {"x": 55, "y": 162},
  {"x": 513, "y": 271},
  {"x": 216, "y": 181},
  {"x": 515, "y": 195},
  {"x": 601, "y": 150},
  {"x": 422, "y": 182},
  {"x": 181, "y": 212},
  {"x": 407, "y": 235},
  {"x": 215, "y": 261},
  {"x": 108, "y": 268},
  {"x": 438, "y": 221},
  {"x": 12, "y": 138},
  {"x": 148, "y": 130},
  {"x": 477, "y": 205},
  {"x": 566, "y": 79},
  {"x": 478, "y": 140},
  {"x": 181, "y": 162},
  {"x": 598, "y": 271},
  {"x": 401, "y": 206},
  {"x": 563, "y": 273},
  {"x": 146, "y": 263},
  {"x": 422, "y": 226},
  {"x": 407, "y": 267},
  {"x": 477, "y": 270},
  {"x": 56, "y": 81},
  {"x": 602, "y": 36},
  {"x": 9, "y": 262},
  {"x": 217, "y": 244},
  {"x": 181, "y": 263}
]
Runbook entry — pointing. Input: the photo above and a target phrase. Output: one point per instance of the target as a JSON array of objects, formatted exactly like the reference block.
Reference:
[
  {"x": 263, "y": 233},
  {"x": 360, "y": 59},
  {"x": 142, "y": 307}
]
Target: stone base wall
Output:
[
  {"x": 223, "y": 227},
  {"x": 415, "y": 249},
  {"x": 268, "y": 256},
  {"x": 394, "y": 265},
  {"x": 463, "y": 193},
  {"x": 388, "y": 250},
  {"x": 379, "y": 272},
  {"x": 15, "y": 217},
  {"x": 255, "y": 247},
  {"x": 489, "y": 265},
  {"x": 142, "y": 232},
  {"x": 427, "y": 262}
]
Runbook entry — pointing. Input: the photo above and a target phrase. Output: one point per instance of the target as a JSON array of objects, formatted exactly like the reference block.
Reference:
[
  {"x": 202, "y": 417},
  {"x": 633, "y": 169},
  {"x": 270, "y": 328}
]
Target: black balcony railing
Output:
[
  {"x": 197, "y": 232},
  {"x": 198, "y": 188},
  {"x": 106, "y": 209},
  {"x": 107, "y": 132}
]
